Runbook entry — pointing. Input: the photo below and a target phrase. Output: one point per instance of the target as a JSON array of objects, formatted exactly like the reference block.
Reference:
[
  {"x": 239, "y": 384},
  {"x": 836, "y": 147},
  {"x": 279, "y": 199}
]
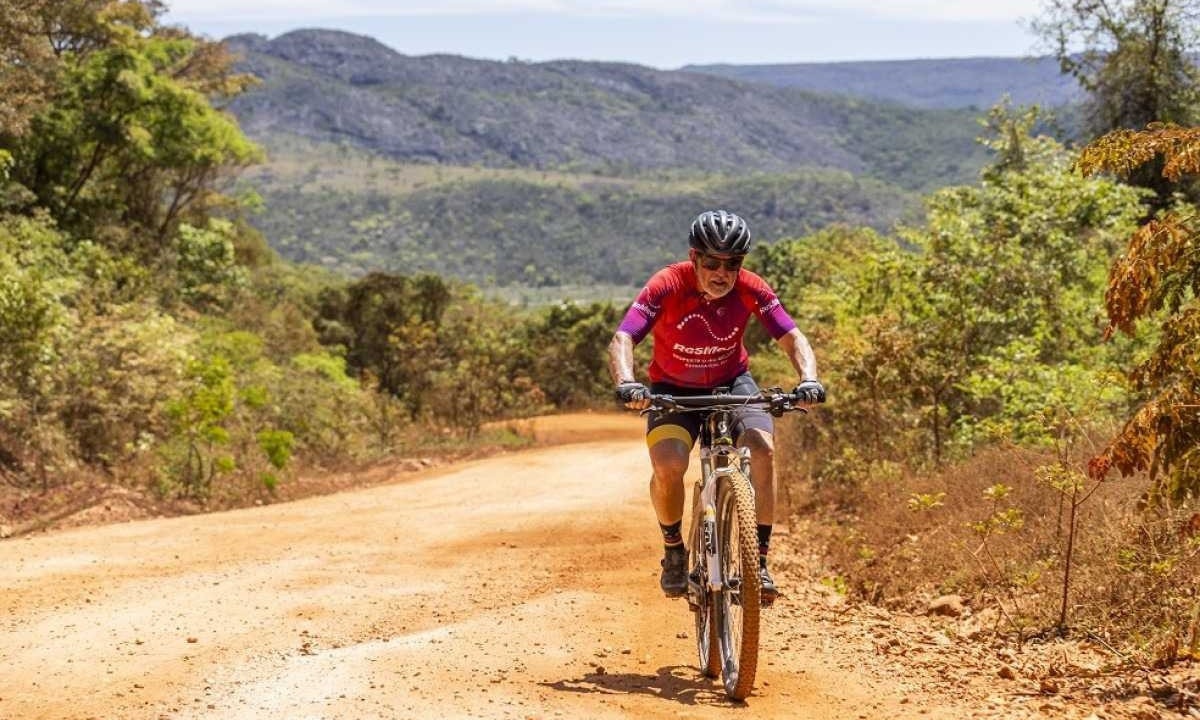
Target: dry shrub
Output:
[{"x": 995, "y": 530}]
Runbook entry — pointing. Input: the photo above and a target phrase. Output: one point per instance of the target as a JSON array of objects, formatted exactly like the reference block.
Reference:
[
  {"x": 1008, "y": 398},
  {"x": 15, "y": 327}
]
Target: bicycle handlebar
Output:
[{"x": 776, "y": 402}]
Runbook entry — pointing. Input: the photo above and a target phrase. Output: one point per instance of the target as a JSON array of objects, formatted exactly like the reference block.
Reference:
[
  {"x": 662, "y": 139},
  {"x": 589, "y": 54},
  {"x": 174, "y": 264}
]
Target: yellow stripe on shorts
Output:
[{"x": 666, "y": 432}]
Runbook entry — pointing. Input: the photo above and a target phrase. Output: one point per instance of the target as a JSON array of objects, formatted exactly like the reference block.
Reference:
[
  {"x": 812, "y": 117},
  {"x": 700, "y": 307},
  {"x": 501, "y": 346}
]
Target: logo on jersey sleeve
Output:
[{"x": 646, "y": 309}]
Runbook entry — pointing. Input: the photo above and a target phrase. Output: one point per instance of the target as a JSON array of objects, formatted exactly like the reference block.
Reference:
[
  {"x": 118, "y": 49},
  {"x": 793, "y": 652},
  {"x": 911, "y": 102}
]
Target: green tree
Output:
[
  {"x": 34, "y": 323},
  {"x": 389, "y": 325},
  {"x": 1013, "y": 262},
  {"x": 481, "y": 370},
  {"x": 970, "y": 314},
  {"x": 207, "y": 269},
  {"x": 564, "y": 351},
  {"x": 126, "y": 142},
  {"x": 28, "y": 62},
  {"x": 841, "y": 285},
  {"x": 200, "y": 416},
  {"x": 111, "y": 153},
  {"x": 86, "y": 362},
  {"x": 325, "y": 409},
  {"x": 1132, "y": 57},
  {"x": 1134, "y": 60}
]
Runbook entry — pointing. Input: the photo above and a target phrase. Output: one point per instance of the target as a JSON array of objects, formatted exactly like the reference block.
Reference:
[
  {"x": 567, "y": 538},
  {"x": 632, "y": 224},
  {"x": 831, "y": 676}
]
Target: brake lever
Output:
[
  {"x": 663, "y": 404},
  {"x": 782, "y": 403}
]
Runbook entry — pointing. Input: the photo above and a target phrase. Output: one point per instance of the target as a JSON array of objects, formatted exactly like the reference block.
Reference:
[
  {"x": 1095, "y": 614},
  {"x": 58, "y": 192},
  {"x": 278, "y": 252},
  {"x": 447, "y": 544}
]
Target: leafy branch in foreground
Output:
[
  {"x": 124, "y": 140},
  {"x": 1157, "y": 276}
]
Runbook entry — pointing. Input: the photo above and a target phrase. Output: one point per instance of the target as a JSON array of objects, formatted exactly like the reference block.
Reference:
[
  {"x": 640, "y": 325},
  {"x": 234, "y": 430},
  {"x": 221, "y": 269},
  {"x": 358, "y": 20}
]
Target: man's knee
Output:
[
  {"x": 669, "y": 458},
  {"x": 760, "y": 442}
]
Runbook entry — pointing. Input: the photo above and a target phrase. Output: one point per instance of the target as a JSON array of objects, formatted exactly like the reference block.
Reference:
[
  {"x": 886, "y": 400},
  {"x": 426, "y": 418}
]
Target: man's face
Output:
[{"x": 716, "y": 274}]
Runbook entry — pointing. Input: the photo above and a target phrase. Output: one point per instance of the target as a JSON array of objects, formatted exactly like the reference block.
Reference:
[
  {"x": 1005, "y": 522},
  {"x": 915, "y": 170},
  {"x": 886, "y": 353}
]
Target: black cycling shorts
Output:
[{"x": 685, "y": 426}]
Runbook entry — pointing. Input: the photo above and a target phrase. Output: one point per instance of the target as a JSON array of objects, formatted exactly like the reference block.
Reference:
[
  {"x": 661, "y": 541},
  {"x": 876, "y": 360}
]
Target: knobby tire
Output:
[{"x": 737, "y": 610}]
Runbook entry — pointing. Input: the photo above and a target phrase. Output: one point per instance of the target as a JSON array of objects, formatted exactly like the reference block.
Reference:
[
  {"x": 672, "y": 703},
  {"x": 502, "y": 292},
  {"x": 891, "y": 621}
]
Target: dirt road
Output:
[{"x": 513, "y": 587}]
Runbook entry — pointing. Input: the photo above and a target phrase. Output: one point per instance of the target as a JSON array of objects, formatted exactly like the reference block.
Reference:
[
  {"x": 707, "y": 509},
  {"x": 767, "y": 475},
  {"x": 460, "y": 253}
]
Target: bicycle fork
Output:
[{"x": 706, "y": 515}]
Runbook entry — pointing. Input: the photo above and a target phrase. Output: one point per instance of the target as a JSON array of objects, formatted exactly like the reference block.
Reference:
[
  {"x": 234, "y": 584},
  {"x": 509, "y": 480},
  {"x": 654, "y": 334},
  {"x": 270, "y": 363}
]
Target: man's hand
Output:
[
  {"x": 634, "y": 394},
  {"x": 810, "y": 392}
]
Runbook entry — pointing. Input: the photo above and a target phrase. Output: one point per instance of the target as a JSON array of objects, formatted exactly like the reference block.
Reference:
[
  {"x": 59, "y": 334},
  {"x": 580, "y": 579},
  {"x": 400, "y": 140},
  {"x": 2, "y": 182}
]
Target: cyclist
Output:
[{"x": 698, "y": 310}]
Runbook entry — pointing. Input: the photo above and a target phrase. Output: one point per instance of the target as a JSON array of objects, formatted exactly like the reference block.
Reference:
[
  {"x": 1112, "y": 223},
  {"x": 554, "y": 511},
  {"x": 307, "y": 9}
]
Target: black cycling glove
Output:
[
  {"x": 628, "y": 392},
  {"x": 810, "y": 391}
]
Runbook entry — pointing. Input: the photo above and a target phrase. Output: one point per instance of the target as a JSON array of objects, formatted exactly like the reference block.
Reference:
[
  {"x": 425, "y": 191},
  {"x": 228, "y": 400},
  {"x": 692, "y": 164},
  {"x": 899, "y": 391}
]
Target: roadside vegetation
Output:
[
  {"x": 150, "y": 337},
  {"x": 1015, "y": 415}
]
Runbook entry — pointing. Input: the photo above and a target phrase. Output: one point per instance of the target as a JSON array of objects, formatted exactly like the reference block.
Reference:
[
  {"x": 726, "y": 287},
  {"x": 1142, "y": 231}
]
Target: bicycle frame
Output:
[{"x": 716, "y": 450}]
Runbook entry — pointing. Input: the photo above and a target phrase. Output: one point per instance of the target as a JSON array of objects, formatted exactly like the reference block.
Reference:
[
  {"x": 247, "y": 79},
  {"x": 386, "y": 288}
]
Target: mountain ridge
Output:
[
  {"x": 932, "y": 83},
  {"x": 548, "y": 174},
  {"x": 601, "y": 117}
]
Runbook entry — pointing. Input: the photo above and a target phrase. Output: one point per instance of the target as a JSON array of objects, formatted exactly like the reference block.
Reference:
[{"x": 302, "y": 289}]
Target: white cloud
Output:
[{"x": 726, "y": 10}]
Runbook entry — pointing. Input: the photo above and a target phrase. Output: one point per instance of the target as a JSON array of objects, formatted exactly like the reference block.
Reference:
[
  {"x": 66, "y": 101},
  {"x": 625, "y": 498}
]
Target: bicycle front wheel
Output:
[{"x": 738, "y": 604}]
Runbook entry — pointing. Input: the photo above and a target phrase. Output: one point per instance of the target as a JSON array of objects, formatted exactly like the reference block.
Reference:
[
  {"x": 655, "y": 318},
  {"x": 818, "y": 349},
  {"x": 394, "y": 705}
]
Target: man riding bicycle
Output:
[{"x": 698, "y": 310}]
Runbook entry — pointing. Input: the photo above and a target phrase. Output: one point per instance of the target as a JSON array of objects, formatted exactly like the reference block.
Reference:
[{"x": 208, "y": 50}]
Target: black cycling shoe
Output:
[
  {"x": 769, "y": 591},
  {"x": 674, "y": 572}
]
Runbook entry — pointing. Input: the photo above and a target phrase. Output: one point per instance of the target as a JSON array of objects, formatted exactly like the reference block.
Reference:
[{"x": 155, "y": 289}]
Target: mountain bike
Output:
[{"x": 724, "y": 589}]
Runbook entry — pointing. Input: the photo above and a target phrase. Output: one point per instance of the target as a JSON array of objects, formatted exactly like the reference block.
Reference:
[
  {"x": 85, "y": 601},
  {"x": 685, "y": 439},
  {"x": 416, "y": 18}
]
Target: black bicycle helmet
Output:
[{"x": 720, "y": 232}]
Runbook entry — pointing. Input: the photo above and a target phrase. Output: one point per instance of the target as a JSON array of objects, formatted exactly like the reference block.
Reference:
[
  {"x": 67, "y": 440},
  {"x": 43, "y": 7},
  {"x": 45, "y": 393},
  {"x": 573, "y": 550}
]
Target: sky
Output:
[{"x": 665, "y": 34}]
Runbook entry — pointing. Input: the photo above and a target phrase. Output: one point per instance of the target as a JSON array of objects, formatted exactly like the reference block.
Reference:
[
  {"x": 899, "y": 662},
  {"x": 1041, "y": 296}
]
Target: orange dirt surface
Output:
[{"x": 519, "y": 586}]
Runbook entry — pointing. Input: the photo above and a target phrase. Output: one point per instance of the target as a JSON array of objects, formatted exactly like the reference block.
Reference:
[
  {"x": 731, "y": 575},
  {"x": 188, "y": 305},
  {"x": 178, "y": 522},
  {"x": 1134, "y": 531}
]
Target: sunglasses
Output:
[{"x": 711, "y": 262}]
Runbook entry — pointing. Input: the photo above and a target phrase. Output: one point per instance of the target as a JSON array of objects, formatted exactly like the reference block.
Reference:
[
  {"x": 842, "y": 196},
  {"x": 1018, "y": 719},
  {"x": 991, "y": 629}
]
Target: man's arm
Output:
[
  {"x": 620, "y": 358},
  {"x": 620, "y": 365},
  {"x": 810, "y": 391},
  {"x": 795, "y": 346}
]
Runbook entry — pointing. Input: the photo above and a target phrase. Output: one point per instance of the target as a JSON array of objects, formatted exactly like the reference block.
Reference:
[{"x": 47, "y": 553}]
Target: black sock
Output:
[
  {"x": 764, "y": 539},
  {"x": 672, "y": 534}
]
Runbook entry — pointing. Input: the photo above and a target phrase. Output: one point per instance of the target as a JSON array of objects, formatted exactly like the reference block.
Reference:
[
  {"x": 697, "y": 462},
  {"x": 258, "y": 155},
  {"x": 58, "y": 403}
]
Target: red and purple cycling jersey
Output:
[{"x": 698, "y": 342}]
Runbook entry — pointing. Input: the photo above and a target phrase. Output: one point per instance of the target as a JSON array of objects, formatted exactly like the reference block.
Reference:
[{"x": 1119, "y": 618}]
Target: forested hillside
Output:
[
  {"x": 531, "y": 159},
  {"x": 354, "y": 212},
  {"x": 597, "y": 117}
]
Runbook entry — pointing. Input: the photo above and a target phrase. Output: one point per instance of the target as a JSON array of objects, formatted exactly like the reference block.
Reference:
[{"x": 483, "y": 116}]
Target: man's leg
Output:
[
  {"x": 762, "y": 476},
  {"x": 669, "y": 458},
  {"x": 762, "y": 472}
]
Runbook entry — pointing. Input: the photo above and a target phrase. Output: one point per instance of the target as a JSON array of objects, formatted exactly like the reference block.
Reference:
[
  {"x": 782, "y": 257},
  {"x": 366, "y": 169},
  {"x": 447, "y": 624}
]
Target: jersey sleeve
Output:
[
  {"x": 765, "y": 304},
  {"x": 646, "y": 307}
]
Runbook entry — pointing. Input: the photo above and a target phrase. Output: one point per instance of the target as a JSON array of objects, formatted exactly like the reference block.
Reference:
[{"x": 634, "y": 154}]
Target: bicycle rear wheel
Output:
[
  {"x": 737, "y": 606},
  {"x": 707, "y": 645}
]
